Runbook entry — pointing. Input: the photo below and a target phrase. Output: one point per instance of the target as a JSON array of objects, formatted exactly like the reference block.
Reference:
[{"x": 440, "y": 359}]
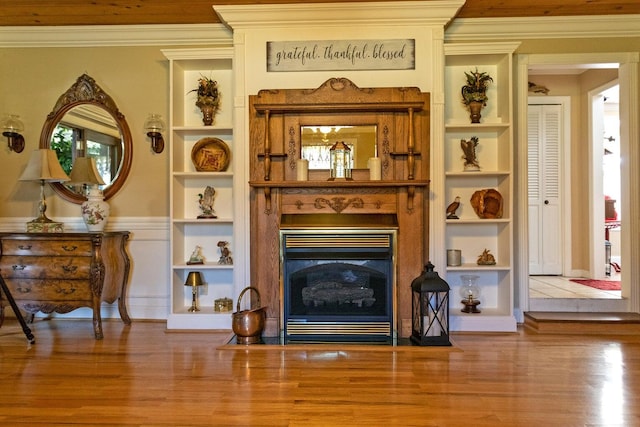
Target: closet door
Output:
[{"x": 545, "y": 236}]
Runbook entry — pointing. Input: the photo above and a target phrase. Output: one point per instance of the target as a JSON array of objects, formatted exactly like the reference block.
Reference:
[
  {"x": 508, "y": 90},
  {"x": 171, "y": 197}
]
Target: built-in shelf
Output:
[
  {"x": 472, "y": 234},
  {"x": 187, "y": 231}
]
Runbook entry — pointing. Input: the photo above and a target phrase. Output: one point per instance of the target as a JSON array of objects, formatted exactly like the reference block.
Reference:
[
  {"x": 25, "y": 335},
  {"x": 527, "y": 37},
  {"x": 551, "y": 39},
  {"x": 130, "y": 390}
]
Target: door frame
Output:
[
  {"x": 596, "y": 180},
  {"x": 565, "y": 173},
  {"x": 628, "y": 77}
]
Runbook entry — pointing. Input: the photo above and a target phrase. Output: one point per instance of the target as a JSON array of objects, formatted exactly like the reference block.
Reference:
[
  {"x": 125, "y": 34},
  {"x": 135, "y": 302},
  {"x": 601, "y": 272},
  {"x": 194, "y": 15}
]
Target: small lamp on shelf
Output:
[
  {"x": 154, "y": 126},
  {"x": 430, "y": 309},
  {"x": 95, "y": 210},
  {"x": 194, "y": 279},
  {"x": 12, "y": 128},
  {"x": 340, "y": 161},
  {"x": 470, "y": 293},
  {"x": 43, "y": 166}
]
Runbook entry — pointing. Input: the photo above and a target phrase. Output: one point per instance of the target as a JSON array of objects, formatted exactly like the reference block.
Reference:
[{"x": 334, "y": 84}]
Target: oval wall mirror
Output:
[{"x": 85, "y": 122}]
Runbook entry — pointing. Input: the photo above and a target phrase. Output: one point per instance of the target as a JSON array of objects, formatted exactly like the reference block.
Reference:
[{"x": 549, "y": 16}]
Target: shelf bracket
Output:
[
  {"x": 267, "y": 200},
  {"x": 267, "y": 150},
  {"x": 411, "y": 161},
  {"x": 411, "y": 192}
]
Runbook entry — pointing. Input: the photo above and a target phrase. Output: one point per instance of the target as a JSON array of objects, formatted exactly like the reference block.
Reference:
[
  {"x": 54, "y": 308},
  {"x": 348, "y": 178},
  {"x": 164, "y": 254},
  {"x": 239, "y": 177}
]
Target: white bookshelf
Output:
[
  {"x": 495, "y": 154},
  {"x": 186, "y": 230}
]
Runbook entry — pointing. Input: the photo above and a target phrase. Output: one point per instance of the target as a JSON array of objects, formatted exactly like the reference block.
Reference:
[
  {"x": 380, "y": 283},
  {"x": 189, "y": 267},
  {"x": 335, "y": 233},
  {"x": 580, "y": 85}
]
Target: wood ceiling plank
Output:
[
  {"x": 523, "y": 8},
  {"x": 129, "y": 12}
]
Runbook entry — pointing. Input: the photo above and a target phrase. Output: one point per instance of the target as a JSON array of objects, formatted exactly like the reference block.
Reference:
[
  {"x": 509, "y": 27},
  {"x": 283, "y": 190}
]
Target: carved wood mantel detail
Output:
[
  {"x": 338, "y": 204},
  {"x": 401, "y": 116}
]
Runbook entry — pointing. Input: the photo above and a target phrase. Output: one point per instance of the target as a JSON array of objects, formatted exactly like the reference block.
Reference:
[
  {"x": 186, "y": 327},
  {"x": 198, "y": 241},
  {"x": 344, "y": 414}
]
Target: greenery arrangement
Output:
[
  {"x": 207, "y": 91},
  {"x": 476, "y": 88}
]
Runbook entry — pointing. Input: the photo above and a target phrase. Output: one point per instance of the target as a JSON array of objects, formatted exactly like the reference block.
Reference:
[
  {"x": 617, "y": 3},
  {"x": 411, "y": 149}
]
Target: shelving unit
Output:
[
  {"x": 186, "y": 183},
  {"x": 495, "y": 154}
]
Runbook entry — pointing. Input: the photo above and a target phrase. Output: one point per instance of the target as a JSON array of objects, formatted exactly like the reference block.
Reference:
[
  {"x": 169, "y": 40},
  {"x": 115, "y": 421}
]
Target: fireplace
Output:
[
  {"x": 339, "y": 282},
  {"x": 395, "y": 206}
]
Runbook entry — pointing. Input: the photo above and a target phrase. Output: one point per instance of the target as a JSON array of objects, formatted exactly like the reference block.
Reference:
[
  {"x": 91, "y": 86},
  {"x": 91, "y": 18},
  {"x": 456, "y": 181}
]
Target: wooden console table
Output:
[{"x": 60, "y": 272}]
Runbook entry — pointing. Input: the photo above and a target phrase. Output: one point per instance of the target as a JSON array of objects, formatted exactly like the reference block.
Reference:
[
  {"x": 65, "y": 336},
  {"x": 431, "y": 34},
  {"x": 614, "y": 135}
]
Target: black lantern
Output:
[{"x": 430, "y": 308}]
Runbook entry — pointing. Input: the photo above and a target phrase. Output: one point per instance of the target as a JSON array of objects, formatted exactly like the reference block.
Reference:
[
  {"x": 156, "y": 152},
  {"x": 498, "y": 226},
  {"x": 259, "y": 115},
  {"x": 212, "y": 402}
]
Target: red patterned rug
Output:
[{"x": 603, "y": 285}]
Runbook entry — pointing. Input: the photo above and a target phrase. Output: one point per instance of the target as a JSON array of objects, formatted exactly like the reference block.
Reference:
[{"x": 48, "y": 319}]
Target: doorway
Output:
[{"x": 628, "y": 78}]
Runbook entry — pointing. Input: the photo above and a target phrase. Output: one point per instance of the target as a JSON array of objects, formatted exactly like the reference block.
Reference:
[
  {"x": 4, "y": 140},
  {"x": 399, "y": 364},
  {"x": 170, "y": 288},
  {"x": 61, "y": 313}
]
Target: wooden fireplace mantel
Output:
[
  {"x": 401, "y": 116},
  {"x": 319, "y": 185}
]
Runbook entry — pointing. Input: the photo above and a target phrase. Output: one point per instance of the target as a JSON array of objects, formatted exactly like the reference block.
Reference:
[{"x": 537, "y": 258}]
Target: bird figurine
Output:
[
  {"x": 469, "y": 156},
  {"x": 452, "y": 208},
  {"x": 538, "y": 88},
  {"x": 206, "y": 203}
]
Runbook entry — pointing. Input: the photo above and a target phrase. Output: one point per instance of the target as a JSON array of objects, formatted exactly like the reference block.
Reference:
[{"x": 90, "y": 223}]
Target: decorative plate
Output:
[{"x": 210, "y": 155}]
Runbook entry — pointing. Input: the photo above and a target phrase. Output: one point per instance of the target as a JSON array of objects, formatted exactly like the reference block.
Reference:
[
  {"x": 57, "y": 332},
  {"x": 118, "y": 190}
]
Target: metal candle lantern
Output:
[
  {"x": 340, "y": 161},
  {"x": 430, "y": 309}
]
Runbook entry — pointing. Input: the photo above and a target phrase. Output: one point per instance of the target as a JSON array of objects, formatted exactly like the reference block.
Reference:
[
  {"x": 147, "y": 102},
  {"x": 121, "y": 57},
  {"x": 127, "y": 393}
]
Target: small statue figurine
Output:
[
  {"x": 196, "y": 256},
  {"x": 452, "y": 208},
  {"x": 486, "y": 258},
  {"x": 206, "y": 203},
  {"x": 469, "y": 156},
  {"x": 225, "y": 253}
]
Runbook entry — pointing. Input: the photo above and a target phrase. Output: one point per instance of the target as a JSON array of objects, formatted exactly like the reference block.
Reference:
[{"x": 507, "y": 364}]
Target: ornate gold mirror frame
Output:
[{"x": 85, "y": 92}]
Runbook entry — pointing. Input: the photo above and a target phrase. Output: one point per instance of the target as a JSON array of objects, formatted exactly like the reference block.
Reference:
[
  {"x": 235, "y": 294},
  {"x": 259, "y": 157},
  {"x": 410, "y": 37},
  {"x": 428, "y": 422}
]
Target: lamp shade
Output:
[
  {"x": 44, "y": 166},
  {"x": 85, "y": 171},
  {"x": 194, "y": 278}
]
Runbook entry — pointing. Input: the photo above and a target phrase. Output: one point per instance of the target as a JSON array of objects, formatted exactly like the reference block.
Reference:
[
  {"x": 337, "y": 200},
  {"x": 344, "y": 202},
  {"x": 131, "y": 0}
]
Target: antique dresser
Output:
[{"x": 60, "y": 272}]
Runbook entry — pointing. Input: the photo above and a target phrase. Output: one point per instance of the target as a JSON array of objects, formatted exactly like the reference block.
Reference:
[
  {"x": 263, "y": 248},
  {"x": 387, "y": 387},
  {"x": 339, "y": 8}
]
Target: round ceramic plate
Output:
[{"x": 210, "y": 155}]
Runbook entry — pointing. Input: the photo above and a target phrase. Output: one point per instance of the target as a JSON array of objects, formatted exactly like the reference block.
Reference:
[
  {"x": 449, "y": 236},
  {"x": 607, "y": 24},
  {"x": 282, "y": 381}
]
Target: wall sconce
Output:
[
  {"x": 430, "y": 309},
  {"x": 11, "y": 128},
  {"x": 154, "y": 127}
]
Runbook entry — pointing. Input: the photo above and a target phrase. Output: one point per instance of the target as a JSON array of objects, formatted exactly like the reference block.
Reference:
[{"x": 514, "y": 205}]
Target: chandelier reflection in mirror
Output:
[{"x": 318, "y": 140}]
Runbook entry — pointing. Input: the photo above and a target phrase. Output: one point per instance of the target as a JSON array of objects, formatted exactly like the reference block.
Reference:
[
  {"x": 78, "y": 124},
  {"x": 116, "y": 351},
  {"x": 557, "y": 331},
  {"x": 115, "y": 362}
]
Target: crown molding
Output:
[
  {"x": 551, "y": 27},
  {"x": 116, "y": 35},
  {"x": 213, "y": 35},
  {"x": 305, "y": 15}
]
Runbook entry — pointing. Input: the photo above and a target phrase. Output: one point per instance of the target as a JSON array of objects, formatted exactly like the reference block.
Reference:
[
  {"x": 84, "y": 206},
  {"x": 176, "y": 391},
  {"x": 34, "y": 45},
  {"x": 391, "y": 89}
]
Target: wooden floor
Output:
[{"x": 143, "y": 375}]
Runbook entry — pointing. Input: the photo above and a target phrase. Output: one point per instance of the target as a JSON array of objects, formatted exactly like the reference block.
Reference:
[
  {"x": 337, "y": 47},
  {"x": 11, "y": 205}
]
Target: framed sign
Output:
[{"x": 334, "y": 55}]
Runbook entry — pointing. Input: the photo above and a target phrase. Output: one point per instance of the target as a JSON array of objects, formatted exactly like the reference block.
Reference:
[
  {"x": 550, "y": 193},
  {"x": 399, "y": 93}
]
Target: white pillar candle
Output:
[
  {"x": 375, "y": 168},
  {"x": 302, "y": 169}
]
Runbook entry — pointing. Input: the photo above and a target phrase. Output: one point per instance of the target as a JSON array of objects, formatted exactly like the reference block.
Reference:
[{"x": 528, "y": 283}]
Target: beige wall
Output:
[{"x": 136, "y": 78}]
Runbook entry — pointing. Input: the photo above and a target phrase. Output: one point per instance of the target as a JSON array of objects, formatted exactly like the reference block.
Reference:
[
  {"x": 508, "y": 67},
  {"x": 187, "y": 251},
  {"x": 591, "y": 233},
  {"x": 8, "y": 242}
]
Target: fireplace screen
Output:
[{"x": 338, "y": 287}]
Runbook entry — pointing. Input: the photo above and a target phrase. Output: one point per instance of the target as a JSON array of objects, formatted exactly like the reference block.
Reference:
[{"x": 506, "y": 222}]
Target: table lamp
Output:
[
  {"x": 95, "y": 210},
  {"x": 43, "y": 166},
  {"x": 194, "y": 279}
]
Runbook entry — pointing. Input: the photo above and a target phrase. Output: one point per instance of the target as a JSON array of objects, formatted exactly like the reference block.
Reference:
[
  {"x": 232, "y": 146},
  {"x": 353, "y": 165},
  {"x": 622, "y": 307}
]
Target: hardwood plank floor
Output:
[{"x": 143, "y": 375}]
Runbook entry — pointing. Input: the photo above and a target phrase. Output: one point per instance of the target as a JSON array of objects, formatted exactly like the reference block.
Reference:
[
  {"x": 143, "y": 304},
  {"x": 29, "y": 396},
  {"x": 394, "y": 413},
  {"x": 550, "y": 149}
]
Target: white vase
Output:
[{"x": 95, "y": 210}]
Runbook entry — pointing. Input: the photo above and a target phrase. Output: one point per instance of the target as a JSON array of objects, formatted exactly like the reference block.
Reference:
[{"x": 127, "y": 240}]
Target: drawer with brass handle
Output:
[
  {"x": 46, "y": 247},
  {"x": 60, "y": 272},
  {"x": 57, "y": 267}
]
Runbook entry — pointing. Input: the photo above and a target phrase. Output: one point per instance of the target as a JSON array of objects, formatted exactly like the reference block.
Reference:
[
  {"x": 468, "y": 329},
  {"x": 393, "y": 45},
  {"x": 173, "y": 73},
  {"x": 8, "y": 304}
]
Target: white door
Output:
[{"x": 544, "y": 154}]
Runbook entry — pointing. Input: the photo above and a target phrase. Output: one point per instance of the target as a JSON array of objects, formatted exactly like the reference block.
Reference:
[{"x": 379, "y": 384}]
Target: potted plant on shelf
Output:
[
  {"x": 474, "y": 93},
  {"x": 208, "y": 99}
]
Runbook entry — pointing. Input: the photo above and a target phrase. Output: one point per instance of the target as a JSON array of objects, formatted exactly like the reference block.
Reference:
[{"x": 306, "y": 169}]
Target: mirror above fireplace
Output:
[{"x": 317, "y": 140}]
